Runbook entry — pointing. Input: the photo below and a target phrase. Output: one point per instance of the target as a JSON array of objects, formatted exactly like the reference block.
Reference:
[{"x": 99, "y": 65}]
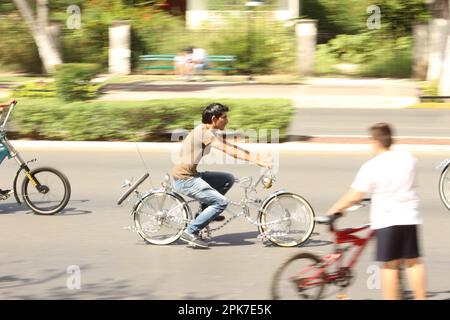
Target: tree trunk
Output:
[
  {"x": 42, "y": 13},
  {"x": 50, "y": 56}
]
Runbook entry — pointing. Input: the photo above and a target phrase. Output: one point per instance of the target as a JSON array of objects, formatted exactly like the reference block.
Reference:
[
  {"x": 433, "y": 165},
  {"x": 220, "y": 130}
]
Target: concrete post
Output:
[
  {"x": 120, "y": 48},
  {"x": 288, "y": 9},
  {"x": 438, "y": 33},
  {"x": 444, "y": 83},
  {"x": 306, "y": 35},
  {"x": 420, "y": 51},
  {"x": 196, "y": 13}
]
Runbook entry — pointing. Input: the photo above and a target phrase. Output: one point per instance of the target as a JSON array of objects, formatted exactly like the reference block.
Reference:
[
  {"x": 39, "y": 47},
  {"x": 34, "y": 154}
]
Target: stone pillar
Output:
[
  {"x": 444, "y": 83},
  {"x": 196, "y": 13},
  {"x": 438, "y": 33},
  {"x": 120, "y": 48},
  {"x": 288, "y": 9},
  {"x": 306, "y": 38},
  {"x": 420, "y": 51}
]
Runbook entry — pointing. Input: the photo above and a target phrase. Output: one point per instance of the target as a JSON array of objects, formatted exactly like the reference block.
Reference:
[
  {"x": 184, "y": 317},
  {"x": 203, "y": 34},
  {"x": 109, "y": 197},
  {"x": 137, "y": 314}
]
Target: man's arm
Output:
[
  {"x": 239, "y": 153},
  {"x": 7, "y": 104},
  {"x": 349, "y": 199}
]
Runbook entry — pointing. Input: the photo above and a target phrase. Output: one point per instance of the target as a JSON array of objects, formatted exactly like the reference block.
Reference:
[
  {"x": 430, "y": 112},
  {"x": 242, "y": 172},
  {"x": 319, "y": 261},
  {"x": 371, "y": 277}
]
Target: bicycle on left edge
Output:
[{"x": 44, "y": 190}]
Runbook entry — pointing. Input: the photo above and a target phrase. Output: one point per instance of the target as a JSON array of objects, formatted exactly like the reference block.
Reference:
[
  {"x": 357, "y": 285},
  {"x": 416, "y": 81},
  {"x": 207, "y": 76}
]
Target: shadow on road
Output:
[
  {"x": 235, "y": 239},
  {"x": 18, "y": 287},
  {"x": 14, "y": 208},
  {"x": 11, "y": 208}
]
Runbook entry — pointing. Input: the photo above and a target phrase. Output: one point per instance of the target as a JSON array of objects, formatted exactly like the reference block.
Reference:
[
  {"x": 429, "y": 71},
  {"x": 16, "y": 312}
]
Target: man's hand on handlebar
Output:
[
  {"x": 264, "y": 164},
  {"x": 12, "y": 101}
]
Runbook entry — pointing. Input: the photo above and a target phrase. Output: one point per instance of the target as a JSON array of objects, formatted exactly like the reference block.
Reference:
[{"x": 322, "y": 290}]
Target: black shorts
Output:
[{"x": 397, "y": 242}]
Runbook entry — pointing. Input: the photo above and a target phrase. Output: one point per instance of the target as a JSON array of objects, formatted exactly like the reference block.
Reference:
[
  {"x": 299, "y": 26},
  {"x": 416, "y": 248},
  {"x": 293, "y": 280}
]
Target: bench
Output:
[{"x": 227, "y": 62}]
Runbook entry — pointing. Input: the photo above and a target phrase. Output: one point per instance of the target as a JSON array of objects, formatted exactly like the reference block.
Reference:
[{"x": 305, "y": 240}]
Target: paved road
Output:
[
  {"x": 407, "y": 122},
  {"x": 116, "y": 264},
  {"x": 314, "y": 93}
]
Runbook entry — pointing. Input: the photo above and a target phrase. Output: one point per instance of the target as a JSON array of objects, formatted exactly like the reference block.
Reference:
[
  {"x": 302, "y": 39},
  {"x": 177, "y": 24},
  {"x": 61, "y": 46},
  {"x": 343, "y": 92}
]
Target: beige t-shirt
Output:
[{"x": 196, "y": 145}]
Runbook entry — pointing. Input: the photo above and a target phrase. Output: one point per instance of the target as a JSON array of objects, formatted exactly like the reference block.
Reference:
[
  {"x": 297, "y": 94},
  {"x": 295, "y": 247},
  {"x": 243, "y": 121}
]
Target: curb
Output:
[{"x": 168, "y": 146}]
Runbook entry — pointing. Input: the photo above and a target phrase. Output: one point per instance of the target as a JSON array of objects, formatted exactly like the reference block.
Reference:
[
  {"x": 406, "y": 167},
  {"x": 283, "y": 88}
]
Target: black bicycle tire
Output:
[{"x": 63, "y": 202}]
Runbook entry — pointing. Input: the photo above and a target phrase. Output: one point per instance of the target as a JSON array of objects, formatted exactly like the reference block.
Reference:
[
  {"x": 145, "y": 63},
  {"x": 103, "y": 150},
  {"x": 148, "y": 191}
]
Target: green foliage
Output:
[
  {"x": 376, "y": 54},
  {"x": 325, "y": 60},
  {"x": 73, "y": 81},
  {"x": 431, "y": 88},
  {"x": 140, "y": 121},
  {"x": 345, "y": 17},
  {"x": 392, "y": 59},
  {"x": 350, "y": 16},
  {"x": 17, "y": 49},
  {"x": 399, "y": 16},
  {"x": 272, "y": 46},
  {"x": 37, "y": 89}
]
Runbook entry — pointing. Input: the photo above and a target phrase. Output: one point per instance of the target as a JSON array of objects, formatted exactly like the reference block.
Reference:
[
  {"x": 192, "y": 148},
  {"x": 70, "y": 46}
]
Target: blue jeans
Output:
[{"x": 208, "y": 188}]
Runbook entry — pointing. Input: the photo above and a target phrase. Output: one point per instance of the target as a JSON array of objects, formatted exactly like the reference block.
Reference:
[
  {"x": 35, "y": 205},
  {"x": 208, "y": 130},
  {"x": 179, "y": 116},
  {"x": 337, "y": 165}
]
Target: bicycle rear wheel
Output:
[
  {"x": 160, "y": 218},
  {"x": 52, "y": 193},
  {"x": 298, "y": 278},
  {"x": 287, "y": 219},
  {"x": 444, "y": 187}
]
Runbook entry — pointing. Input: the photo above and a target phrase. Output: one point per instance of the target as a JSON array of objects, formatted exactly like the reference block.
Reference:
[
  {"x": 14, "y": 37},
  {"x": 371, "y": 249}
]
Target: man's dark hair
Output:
[
  {"x": 214, "y": 109},
  {"x": 382, "y": 133}
]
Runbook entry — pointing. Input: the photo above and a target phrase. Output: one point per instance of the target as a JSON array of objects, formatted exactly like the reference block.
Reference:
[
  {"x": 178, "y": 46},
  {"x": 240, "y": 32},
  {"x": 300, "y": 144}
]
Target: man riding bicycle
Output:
[
  {"x": 207, "y": 187},
  {"x": 4, "y": 194}
]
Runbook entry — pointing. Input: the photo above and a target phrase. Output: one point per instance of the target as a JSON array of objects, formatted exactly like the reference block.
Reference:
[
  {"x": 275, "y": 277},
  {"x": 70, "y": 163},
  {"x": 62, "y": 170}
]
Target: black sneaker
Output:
[
  {"x": 4, "y": 194},
  {"x": 193, "y": 240}
]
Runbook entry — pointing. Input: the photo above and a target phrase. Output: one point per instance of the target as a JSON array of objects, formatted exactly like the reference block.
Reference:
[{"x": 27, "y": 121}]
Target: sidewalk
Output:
[
  {"x": 313, "y": 93},
  {"x": 319, "y": 144}
]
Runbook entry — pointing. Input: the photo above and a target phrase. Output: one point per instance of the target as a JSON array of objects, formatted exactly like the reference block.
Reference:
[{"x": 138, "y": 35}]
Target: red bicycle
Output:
[{"x": 306, "y": 275}]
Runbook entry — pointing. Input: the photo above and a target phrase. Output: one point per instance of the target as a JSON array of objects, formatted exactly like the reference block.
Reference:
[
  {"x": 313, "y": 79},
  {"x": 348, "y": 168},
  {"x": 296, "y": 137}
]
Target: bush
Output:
[
  {"x": 73, "y": 81},
  {"x": 273, "y": 46},
  {"x": 140, "y": 121},
  {"x": 375, "y": 54},
  {"x": 36, "y": 89}
]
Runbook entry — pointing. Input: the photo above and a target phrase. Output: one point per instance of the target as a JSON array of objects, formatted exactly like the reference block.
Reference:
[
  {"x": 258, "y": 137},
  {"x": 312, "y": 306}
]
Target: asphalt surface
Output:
[
  {"x": 38, "y": 251},
  {"x": 345, "y": 122}
]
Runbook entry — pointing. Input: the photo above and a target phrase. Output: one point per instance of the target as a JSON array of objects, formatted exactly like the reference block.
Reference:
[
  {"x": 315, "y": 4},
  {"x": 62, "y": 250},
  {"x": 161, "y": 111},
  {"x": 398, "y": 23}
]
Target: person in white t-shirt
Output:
[
  {"x": 199, "y": 58},
  {"x": 390, "y": 178},
  {"x": 182, "y": 64}
]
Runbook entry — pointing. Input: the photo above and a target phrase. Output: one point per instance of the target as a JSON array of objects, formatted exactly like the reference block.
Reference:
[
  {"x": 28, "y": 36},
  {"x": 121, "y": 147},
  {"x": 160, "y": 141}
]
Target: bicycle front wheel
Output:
[
  {"x": 48, "y": 191},
  {"x": 444, "y": 187},
  {"x": 299, "y": 278},
  {"x": 160, "y": 218},
  {"x": 287, "y": 219}
]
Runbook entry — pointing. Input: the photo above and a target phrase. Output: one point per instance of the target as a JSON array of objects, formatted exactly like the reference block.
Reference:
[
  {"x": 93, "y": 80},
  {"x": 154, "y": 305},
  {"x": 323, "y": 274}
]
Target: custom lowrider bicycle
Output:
[{"x": 161, "y": 215}]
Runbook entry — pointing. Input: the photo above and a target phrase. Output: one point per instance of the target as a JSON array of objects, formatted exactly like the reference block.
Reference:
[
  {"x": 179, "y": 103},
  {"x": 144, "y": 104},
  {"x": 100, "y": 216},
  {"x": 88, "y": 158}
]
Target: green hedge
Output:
[
  {"x": 73, "y": 81},
  {"x": 35, "y": 89},
  {"x": 139, "y": 121}
]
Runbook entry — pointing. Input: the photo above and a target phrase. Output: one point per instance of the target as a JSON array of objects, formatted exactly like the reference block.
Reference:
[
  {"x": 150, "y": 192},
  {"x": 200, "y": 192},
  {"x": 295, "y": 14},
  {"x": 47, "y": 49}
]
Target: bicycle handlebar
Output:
[
  {"x": 330, "y": 219},
  {"x": 132, "y": 188},
  {"x": 5, "y": 114}
]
